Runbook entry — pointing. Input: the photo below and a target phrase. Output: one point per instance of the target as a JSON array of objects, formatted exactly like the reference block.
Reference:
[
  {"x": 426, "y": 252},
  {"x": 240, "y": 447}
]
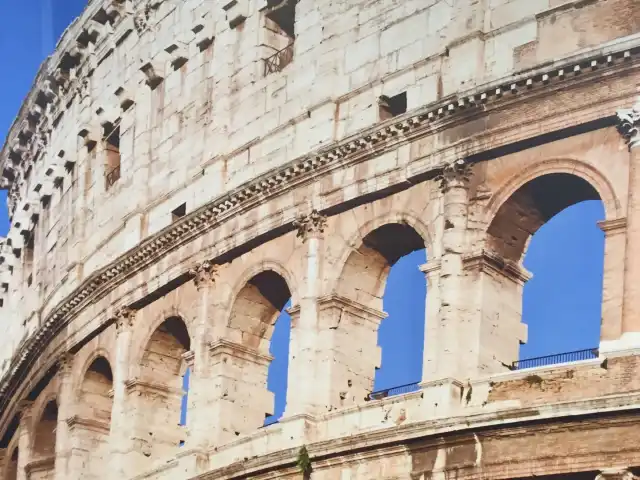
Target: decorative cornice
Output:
[
  {"x": 311, "y": 225},
  {"x": 227, "y": 347},
  {"x": 373, "y": 141},
  {"x": 77, "y": 421},
  {"x": 40, "y": 465},
  {"x": 629, "y": 124},
  {"x": 341, "y": 304},
  {"x": 138, "y": 385},
  {"x": 495, "y": 262},
  {"x": 617, "y": 225}
]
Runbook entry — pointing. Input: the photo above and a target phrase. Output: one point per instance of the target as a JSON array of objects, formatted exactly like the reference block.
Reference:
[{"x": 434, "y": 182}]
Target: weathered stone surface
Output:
[{"x": 181, "y": 170}]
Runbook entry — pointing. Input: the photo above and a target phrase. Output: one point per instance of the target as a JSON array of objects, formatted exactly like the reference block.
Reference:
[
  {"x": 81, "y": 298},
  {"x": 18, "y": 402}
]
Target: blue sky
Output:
[{"x": 561, "y": 303}]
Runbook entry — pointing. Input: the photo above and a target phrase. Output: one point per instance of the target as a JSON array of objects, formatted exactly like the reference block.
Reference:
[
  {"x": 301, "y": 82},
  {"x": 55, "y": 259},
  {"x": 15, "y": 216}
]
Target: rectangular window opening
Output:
[
  {"x": 112, "y": 154},
  {"x": 179, "y": 212},
  {"x": 29, "y": 246},
  {"x": 279, "y": 35},
  {"x": 390, "y": 107}
]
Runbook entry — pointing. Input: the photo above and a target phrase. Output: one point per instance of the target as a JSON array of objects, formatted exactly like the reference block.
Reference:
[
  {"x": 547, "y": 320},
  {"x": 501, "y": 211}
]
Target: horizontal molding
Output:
[{"x": 620, "y": 56}]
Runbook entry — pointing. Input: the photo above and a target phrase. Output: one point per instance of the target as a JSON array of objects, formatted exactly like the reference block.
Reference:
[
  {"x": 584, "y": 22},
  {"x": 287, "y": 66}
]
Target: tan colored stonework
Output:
[{"x": 181, "y": 184}]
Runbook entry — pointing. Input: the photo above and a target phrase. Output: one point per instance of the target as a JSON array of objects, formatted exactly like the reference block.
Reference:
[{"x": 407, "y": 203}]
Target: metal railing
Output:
[
  {"x": 566, "y": 357},
  {"x": 390, "y": 392},
  {"x": 112, "y": 177},
  {"x": 279, "y": 60}
]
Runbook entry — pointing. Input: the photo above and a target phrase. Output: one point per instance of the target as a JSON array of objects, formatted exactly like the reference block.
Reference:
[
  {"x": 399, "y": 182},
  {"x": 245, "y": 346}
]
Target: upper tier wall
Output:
[{"x": 185, "y": 81}]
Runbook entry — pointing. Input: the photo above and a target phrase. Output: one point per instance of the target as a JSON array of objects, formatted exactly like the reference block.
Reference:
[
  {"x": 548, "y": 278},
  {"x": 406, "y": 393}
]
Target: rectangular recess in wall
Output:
[
  {"x": 179, "y": 212},
  {"x": 389, "y": 107}
]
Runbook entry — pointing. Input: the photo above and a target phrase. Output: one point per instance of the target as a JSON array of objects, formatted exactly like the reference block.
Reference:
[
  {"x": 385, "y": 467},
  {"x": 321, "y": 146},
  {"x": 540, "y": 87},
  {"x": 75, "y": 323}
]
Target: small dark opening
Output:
[
  {"x": 179, "y": 212},
  {"x": 390, "y": 107},
  {"x": 284, "y": 16}
]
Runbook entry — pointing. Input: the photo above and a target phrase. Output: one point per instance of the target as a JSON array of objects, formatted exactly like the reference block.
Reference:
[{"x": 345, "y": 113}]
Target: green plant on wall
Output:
[{"x": 304, "y": 462}]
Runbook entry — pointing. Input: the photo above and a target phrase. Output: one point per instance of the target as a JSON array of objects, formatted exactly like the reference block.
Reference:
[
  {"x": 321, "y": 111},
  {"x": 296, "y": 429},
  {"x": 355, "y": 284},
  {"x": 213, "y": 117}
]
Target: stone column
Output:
[
  {"x": 25, "y": 439},
  {"x": 629, "y": 127},
  {"x": 616, "y": 474},
  {"x": 453, "y": 354},
  {"x": 65, "y": 412},
  {"x": 333, "y": 351},
  {"x": 304, "y": 325},
  {"x": 120, "y": 435},
  {"x": 612, "y": 280},
  {"x": 431, "y": 272},
  {"x": 199, "y": 419}
]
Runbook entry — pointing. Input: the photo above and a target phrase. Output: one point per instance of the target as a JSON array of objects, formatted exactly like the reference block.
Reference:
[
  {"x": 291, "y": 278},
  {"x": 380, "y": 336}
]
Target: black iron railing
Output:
[
  {"x": 586, "y": 354},
  {"x": 390, "y": 392},
  {"x": 113, "y": 176},
  {"x": 279, "y": 60}
]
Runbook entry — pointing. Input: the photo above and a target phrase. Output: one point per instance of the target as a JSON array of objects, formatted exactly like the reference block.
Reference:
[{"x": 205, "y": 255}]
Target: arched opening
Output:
[
  {"x": 44, "y": 442},
  {"x": 549, "y": 226},
  {"x": 260, "y": 324},
  {"x": 94, "y": 419},
  {"x": 384, "y": 274},
  {"x": 158, "y": 406},
  {"x": 11, "y": 471},
  {"x": 95, "y": 395},
  {"x": 278, "y": 368}
]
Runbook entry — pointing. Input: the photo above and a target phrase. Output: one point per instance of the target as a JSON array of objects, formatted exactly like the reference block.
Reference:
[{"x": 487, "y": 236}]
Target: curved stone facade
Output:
[{"x": 181, "y": 169}]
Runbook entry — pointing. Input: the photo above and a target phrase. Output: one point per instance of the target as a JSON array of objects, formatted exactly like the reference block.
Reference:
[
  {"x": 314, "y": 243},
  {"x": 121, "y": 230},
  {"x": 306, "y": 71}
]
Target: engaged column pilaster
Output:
[
  {"x": 198, "y": 415},
  {"x": 454, "y": 184},
  {"x": 629, "y": 128},
  {"x": 65, "y": 412},
  {"x": 304, "y": 322},
  {"x": 120, "y": 434},
  {"x": 26, "y": 438}
]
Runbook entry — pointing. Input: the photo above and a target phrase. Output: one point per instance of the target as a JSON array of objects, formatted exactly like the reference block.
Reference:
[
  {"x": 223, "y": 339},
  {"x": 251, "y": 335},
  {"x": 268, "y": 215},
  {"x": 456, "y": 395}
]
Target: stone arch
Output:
[
  {"x": 155, "y": 396},
  {"x": 162, "y": 357},
  {"x": 252, "y": 317},
  {"x": 254, "y": 270},
  {"x": 593, "y": 185},
  {"x": 44, "y": 438},
  {"x": 94, "y": 393},
  {"x": 372, "y": 251},
  {"x": 257, "y": 305},
  {"x": 517, "y": 211},
  {"x": 94, "y": 404},
  {"x": 144, "y": 336}
]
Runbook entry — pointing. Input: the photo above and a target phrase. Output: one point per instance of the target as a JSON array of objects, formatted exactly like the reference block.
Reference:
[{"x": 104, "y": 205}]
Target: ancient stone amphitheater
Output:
[{"x": 182, "y": 168}]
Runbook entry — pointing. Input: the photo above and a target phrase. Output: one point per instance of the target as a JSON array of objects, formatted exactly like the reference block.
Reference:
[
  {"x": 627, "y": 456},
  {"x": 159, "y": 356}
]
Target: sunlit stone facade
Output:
[{"x": 182, "y": 169}]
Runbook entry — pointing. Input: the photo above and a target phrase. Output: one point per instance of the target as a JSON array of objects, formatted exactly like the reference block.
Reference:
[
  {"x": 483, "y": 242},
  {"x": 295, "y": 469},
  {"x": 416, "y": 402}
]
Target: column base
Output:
[{"x": 628, "y": 343}]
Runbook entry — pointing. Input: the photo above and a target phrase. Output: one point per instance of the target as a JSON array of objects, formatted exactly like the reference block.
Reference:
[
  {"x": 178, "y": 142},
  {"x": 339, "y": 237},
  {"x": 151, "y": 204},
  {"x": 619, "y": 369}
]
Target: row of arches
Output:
[{"x": 382, "y": 273}]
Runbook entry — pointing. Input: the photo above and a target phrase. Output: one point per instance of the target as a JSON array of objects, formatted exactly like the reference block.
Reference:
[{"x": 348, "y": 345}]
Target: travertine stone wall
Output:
[{"x": 181, "y": 171}]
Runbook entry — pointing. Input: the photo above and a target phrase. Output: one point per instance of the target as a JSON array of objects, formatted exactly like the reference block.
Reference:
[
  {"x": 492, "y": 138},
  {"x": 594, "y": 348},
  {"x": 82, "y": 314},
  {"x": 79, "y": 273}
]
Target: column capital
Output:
[
  {"x": 454, "y": 174},
  {"x": 616, "y": 474},
  {"x": 204, "y": 274},
  {"x": 25, "y": 408},
  {"x": 311, "y": 225},
  {"x": 629, "y": 124},
  {"x": 124, "y": 318},
  {"x": 65, "y": 363}
]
